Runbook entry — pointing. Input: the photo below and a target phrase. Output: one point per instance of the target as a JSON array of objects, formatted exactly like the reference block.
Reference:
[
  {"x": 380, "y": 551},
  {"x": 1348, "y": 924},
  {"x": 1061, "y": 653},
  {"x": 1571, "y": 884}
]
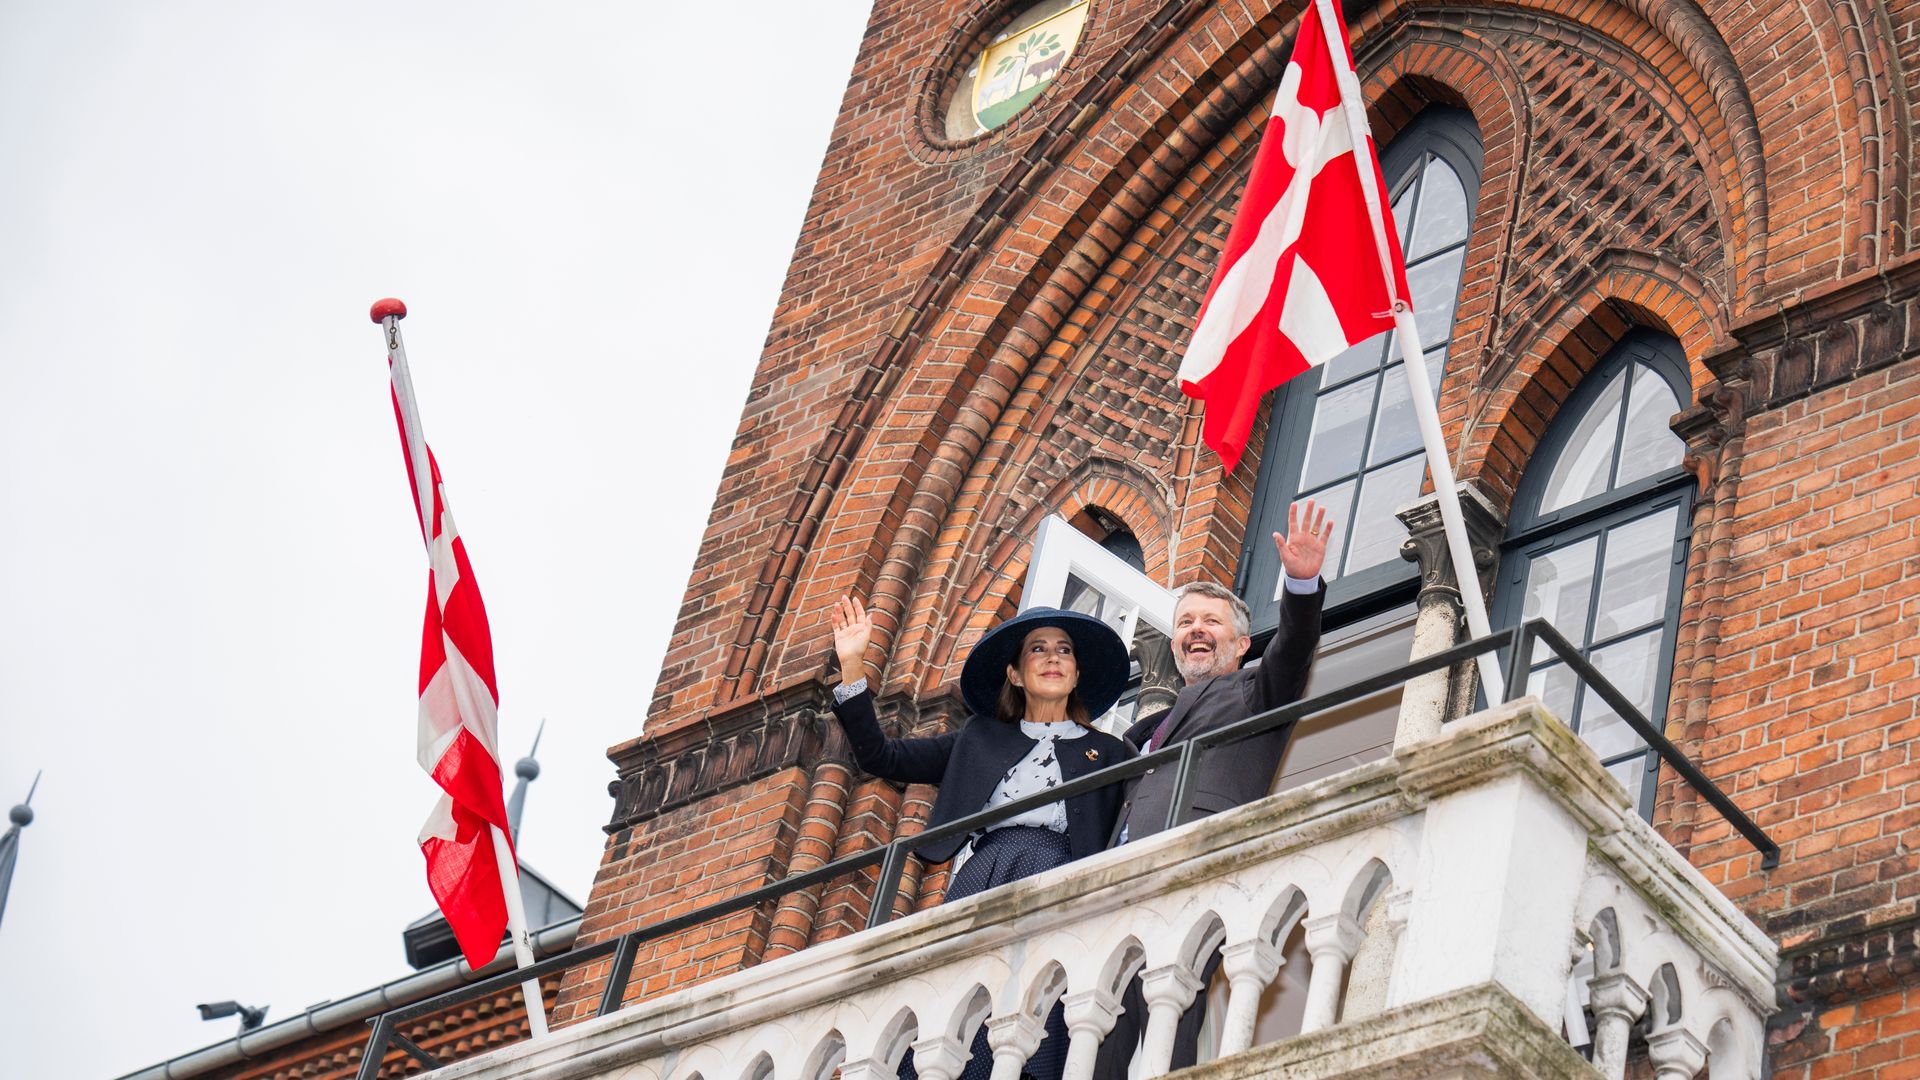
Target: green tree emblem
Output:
[{"x": 1038, "y": 45}]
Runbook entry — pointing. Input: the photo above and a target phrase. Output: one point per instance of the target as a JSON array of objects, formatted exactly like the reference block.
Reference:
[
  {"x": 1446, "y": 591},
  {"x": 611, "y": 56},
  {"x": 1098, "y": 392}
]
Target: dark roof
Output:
[{"x": 429, "y": 940}]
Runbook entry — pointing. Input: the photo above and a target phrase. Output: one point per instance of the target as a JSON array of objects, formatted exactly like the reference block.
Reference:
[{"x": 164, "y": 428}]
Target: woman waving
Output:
[{"x": 1034, "y": 684}]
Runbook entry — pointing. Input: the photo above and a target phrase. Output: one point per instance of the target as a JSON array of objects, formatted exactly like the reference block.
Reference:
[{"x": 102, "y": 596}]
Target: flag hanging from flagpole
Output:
[
  {"x": 1300, "y": 279},
  {"x": 458, "y": 710}
]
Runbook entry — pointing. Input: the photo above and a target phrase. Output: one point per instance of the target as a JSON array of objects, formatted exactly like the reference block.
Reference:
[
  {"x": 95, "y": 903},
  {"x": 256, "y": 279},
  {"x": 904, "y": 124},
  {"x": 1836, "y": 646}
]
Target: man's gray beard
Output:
[{"x": 1192, "y": 672}]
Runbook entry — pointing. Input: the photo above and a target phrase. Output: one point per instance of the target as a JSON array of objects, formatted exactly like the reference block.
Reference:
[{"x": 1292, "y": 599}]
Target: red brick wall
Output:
[
  {"x": 1806, "y": 712},
  {"x": 676, "y": 862},
  {"x": 948, "y": 307},
  {"x": 1874, "y": 1037},
  {"x": 1813, "y": 713}
]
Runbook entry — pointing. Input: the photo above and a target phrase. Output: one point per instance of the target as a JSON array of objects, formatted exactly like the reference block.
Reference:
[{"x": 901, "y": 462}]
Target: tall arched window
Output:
[
  {"x": 1345, "y": 435},
  {"x": 1597, "y": 546}
]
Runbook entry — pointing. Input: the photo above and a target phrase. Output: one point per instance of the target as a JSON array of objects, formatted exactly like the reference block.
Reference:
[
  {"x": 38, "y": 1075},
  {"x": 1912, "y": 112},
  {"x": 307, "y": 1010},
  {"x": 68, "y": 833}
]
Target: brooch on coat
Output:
[{"x": 1093, "y": 755}]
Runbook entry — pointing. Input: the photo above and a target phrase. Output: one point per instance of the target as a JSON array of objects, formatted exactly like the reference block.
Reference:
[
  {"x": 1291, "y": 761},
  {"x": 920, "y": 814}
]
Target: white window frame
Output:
[{"x": 1060, "y": 550}]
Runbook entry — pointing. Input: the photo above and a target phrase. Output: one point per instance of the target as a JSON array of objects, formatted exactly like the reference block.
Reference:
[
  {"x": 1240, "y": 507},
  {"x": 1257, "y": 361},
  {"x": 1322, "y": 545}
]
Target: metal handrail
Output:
[
  {"x": 1522, "y": 665},
  {"x": 891, "y": 857}
]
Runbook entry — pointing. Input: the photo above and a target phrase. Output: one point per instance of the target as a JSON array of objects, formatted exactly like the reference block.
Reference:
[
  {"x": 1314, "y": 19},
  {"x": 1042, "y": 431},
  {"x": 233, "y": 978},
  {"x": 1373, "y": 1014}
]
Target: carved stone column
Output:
[
  {"x": 1090, "y": 1016},
  {"x": 1676, "y": 1054},
  {"x": 1436, "y": 698},
  {"x": 939, "y": 1057},
  {"x": 868, "y": 1069},
  {"x": 1013, "y": 1040},
  {"x": 1617, "y": 1002},
  {"x": 1168, "y": 990},
  {"x": 1250, "y": 968},
  {"x": 1331, "y": 941}
]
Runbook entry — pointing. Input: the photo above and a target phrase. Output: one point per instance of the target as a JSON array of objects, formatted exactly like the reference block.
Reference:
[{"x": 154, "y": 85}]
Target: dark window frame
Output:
[
  {"x": 1531, "y": 534},
  {"x": 1441, "y": 131}
]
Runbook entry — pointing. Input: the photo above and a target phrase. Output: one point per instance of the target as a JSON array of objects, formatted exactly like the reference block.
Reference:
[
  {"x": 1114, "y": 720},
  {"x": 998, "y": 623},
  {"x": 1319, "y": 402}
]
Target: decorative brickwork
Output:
[
  {"x": 682, "y": 859},
  {"x": 1851, "y": 1007}
]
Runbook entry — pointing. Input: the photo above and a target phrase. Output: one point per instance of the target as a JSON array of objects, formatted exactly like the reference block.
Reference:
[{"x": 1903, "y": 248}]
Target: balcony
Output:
[{"x": 1463, "y": 908}]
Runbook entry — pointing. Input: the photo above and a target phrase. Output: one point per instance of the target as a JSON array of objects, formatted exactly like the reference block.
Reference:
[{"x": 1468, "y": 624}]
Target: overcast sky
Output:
[{"x": 211, "y": 581}]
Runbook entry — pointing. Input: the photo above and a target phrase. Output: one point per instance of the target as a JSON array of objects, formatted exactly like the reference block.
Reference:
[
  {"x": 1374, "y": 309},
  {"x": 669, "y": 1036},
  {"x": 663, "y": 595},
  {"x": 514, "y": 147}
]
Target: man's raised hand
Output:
[
  {"x": 1303, "y": 547},
  {"x": 852, "y": 631}
]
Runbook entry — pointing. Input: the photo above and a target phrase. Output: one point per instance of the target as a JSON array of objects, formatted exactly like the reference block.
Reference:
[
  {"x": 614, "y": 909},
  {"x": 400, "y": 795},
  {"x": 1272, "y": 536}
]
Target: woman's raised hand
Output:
[{"x": 852, "y": 631}]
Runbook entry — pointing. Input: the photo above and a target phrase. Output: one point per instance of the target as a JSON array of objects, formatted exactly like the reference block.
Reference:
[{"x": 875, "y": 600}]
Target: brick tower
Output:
[{"x": 1690, "y": 221}]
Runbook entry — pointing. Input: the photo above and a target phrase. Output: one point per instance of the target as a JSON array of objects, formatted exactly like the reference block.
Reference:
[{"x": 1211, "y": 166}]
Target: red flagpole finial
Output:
[{"x": 389, "y": 306}]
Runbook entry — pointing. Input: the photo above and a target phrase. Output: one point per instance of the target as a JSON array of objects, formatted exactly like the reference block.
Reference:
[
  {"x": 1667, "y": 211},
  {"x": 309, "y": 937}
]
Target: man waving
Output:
[{"x": 1211, "y": 634}]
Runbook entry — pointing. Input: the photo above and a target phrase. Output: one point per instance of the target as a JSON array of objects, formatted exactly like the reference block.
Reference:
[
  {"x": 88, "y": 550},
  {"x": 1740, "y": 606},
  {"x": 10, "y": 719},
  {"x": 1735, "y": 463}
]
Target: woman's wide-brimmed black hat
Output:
[{"x": 1099, "y": 652}]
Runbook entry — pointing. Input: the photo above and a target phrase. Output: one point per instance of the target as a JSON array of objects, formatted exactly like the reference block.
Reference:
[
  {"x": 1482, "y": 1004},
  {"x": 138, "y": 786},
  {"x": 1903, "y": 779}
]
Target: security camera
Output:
[{"x": 251, "y": 1016}]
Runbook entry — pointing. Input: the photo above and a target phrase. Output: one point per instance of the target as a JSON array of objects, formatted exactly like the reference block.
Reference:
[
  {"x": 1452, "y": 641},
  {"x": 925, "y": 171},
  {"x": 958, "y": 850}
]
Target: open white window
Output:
[{"x": 1072, "y": 570}]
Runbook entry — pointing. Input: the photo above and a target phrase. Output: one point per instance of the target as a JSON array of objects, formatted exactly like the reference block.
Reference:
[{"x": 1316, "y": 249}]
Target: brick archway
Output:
[
  {"x": 1625, "y": 292},
  {"x": 1000, "y": 555}
]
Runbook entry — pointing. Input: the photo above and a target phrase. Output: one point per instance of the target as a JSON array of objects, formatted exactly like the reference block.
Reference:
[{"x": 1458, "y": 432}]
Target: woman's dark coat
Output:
[{"x": 969, "y": 763}]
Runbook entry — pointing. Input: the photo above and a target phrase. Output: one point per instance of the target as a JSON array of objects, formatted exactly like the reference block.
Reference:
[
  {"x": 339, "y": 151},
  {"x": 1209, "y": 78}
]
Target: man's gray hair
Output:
[{"x": 1242, "y": 615}]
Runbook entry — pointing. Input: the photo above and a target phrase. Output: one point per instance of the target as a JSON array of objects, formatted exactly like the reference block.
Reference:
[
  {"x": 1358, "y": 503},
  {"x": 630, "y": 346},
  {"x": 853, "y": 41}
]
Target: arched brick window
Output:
[
  {"x": 1345, "y": 435},
  {"x": 1597, "y": 545}
]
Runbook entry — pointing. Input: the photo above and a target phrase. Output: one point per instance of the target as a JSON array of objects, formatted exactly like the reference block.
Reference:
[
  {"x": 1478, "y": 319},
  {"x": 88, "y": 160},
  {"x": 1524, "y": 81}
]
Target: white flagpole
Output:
[
  {"x": 517, "y": 930},
  {"x": 388, "y": 314},
  {"x": 1407, "y": 337}
]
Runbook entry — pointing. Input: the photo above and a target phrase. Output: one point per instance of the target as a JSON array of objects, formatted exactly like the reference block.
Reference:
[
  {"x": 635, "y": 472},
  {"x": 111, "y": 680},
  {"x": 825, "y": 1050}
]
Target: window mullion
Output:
[
  {"x": 1620, "y": 427},
  {"x": 1373, "y": 424},
  {"x": 1593, "y": 616},
  {"x": 1615, "y": 639}
]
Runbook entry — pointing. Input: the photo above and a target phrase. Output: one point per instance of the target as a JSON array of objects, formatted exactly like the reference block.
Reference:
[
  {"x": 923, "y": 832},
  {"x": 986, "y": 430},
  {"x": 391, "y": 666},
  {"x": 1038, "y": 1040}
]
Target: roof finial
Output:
[
  {"x": 21, "y": 816},
  {"x": 528, "y": 770}
]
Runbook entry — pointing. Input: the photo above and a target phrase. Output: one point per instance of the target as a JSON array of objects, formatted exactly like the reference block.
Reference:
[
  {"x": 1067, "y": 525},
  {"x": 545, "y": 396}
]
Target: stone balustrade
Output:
[{"x": 1452, "y": 905}]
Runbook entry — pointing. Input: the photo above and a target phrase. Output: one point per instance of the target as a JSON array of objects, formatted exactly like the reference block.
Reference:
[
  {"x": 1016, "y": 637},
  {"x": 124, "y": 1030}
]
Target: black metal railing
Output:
[{"x": 891, "y": 857}]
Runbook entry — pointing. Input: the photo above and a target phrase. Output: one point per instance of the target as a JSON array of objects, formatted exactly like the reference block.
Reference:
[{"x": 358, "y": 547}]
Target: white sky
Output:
[{"x": 211, "y": 583}]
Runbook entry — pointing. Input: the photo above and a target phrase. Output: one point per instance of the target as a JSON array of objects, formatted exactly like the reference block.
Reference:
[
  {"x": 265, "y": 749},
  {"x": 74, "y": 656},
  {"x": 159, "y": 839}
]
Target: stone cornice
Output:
[
  {"x": 782, "y": 728},
  {"x": 1483, "y": 1031},
  {"x": 1851, "y": 961},
  {"x": 1824, "y": 337}
]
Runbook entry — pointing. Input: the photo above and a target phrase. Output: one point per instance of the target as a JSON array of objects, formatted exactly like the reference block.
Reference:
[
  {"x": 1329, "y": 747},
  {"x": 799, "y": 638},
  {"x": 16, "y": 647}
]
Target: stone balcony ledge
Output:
[
  {"x": 1481, "y": 1031},
  {"x": 1476, "y": 874}
]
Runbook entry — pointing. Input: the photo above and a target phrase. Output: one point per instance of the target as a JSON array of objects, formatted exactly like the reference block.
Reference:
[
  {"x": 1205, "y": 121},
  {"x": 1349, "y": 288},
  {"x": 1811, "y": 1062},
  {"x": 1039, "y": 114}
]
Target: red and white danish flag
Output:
[
  {"x": 1300, "y": 278},
  {"x": 458, "y": 718}
]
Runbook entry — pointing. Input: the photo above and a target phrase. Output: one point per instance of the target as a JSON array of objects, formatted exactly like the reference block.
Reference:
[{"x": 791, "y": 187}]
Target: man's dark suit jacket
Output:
[
  {"x": 969, "y": 763},
  {"x": 1236, "y": 773}
]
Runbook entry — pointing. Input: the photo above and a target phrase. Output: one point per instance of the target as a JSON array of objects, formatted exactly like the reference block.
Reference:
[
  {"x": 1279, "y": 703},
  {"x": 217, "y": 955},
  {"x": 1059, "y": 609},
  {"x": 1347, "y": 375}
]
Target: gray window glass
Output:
[
  {"x": 1597, "y": 547},
  {"x": 1623, "y": 439},
  {"x": 1650, "y": 409},
  {"x": 1363, "y": 454},
  {"x": 1443, "y": 211},
  {"x": 1582, "y": 472},
  {"x": 1560, "y": 589},
  {"x": 1633, "y": 585}
]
